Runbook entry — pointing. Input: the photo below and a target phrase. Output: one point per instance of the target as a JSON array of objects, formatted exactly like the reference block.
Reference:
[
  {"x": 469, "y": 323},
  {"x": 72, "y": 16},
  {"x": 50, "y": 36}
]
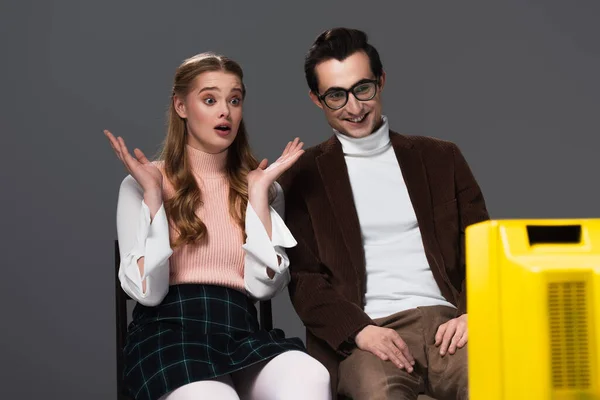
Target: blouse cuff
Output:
[{"x": 262, "y": 248}]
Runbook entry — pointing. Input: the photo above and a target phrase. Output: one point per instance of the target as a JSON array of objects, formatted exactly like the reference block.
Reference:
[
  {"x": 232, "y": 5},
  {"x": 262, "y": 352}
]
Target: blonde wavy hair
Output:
[{"x": 181, "y": 208}]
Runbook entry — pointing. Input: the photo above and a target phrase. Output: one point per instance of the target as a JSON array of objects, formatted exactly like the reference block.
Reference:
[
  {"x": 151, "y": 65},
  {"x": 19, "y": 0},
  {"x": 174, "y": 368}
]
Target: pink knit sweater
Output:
[{"x": 218, "y": 260}]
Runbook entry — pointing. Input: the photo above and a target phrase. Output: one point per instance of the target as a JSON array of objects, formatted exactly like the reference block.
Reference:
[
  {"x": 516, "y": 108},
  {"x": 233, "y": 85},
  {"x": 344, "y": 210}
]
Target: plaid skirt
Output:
[{"x": 198, "y": 332}]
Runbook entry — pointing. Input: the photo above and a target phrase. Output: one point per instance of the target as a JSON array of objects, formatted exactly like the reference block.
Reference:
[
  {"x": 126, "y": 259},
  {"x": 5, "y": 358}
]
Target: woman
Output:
[{"x": 201, "y": 237}]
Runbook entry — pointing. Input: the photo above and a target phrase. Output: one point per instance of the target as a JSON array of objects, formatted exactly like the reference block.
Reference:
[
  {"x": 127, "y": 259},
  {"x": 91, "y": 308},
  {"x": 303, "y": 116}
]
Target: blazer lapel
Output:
[
  {"x": 334, "y": 173},
  {"x": 417, "y": 184}
]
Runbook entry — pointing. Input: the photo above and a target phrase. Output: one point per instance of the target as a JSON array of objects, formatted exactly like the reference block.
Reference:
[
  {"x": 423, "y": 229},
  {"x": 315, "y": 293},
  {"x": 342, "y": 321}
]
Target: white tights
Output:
[{"x": 293, "y": 375}]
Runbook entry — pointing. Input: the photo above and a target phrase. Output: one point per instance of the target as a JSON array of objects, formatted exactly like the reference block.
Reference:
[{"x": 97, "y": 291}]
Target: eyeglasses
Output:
[{"x": 337, "y": 98}]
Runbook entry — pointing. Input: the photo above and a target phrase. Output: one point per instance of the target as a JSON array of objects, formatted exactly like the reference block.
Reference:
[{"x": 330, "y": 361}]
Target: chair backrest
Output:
[
  {"x": 266, "y": 315},
  {"x": 121, "y": 323},
  {"x": 265, "y": 320}
]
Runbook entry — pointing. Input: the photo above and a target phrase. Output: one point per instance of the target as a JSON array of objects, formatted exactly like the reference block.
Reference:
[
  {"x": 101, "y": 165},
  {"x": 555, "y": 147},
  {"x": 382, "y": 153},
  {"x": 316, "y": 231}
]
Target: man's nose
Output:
[{"x": 353, "y": 106}]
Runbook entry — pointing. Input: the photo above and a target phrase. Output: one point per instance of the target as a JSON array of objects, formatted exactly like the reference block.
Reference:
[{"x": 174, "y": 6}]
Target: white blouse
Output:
[{"x": 140, "y": 237}]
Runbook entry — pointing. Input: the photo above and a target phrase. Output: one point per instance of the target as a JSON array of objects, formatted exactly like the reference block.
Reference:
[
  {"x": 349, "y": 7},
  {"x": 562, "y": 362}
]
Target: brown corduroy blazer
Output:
[{"x": 328, "y": 264}]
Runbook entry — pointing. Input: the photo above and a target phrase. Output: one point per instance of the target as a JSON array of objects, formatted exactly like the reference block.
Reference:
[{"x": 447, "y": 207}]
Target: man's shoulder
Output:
[
  {"x": 305, "y": 168},
  {"x": 424, "y": 143},
  {"x": 308, "y": 160}
]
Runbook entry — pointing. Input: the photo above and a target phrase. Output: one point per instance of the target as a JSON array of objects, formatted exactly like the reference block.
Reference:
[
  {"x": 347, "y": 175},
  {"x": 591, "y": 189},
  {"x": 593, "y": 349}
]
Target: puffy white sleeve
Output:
[
  {"x": 262, "y": 253},
  {"x": 140, "y": 237}
]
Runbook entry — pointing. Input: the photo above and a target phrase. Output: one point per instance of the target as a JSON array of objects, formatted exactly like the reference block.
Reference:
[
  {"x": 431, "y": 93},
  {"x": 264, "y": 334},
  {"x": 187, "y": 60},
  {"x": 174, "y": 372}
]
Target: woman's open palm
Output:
[
  {"x": 143, "y": 171},
  {"x": 264, "y": 176}
]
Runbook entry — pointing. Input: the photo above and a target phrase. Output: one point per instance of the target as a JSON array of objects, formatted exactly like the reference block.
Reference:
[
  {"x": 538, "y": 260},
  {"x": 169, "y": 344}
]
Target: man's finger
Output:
[
  {"x": 463, "y": 340},
  {"x": 450, "y": 331},
  {"x": 393, "y": 357},
  {"x": 403, "y": 348},
  {"x": 454, "y": 342},
  {"x": 458, "y": 334},
  {"x": 383, "y": 356},
  {"x": 396, "y": 356},
  {"x": 440, "y": 333}
]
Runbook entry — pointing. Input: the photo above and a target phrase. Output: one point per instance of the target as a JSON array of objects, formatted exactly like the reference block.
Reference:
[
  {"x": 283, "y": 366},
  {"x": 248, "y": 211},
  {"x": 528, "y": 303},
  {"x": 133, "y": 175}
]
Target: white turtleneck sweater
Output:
[{"x": 398, "y": 274}]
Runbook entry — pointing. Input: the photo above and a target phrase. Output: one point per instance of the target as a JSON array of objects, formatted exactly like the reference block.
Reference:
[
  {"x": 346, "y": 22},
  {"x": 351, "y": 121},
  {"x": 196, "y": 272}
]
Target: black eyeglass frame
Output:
[{"x": 321, "y": 97}]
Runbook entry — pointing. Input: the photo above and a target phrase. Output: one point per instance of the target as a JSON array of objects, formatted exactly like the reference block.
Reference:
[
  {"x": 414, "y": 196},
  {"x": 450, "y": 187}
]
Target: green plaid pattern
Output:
[{"x": 198, "y": 332}]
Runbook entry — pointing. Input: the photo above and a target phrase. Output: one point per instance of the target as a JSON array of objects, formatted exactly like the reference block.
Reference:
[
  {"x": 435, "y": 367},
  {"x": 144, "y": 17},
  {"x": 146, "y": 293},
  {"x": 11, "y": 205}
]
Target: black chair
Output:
[
  {"x": 121, "y": 324},
  {"x": 121, "y": 298}
]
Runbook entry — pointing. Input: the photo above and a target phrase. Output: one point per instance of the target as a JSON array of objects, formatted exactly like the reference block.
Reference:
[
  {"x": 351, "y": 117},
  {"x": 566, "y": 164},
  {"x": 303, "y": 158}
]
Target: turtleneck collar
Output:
[
  {"x": 375, "y": 143},
  {"x": 206, "y": 164}
]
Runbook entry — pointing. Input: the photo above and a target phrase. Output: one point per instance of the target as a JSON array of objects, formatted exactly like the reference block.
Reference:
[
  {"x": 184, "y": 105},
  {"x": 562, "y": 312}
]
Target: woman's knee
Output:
[
  {"x": 293, "y": 375},
  {"x": 304, "y": 370},
  {"x": 220, "y": 388},
  {"x": 316, "y": 373}
]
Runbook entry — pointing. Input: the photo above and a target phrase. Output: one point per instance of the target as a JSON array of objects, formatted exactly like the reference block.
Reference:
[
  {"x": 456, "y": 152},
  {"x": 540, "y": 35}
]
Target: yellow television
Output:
[{"x": 533, "y": 304}]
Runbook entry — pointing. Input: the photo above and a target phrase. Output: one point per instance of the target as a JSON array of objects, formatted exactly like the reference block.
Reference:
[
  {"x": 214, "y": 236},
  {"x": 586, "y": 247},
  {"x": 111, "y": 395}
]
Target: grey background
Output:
[{"x": 514, "y": 83}]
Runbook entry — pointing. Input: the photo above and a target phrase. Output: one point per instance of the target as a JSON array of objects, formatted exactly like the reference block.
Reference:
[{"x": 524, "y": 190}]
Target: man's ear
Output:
[
  {"x": 315, "y": 99},
  {"x": 179, "y": 106},
  {"x": 381, "y": 81}
]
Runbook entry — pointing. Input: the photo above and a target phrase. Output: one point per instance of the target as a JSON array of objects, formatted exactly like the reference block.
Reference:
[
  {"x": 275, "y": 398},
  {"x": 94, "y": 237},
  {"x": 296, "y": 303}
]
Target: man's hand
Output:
[
  {"x": 387, "y": 345},
  {"x": 452, "y": 335}
]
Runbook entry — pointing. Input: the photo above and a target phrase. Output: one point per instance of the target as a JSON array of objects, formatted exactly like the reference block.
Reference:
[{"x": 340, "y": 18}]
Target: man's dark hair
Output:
[{"x": 338, "y": 43}]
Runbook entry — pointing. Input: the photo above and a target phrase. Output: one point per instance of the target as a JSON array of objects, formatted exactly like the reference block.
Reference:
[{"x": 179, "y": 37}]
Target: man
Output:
[{"x": 378, "y": 275}]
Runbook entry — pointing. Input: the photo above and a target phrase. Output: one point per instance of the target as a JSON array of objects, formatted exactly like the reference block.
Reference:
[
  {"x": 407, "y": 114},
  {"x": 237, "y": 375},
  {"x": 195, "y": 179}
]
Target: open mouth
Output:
[
  {"x": 357, "y": 120},
  {"x": 223, "y": 129}
]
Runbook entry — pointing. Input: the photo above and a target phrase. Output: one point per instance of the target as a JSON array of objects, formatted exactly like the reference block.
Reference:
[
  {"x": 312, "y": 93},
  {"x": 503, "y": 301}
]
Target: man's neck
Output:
[
  {"x": 376, "y": 128},
  {"x": 369, "y": 145}
]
